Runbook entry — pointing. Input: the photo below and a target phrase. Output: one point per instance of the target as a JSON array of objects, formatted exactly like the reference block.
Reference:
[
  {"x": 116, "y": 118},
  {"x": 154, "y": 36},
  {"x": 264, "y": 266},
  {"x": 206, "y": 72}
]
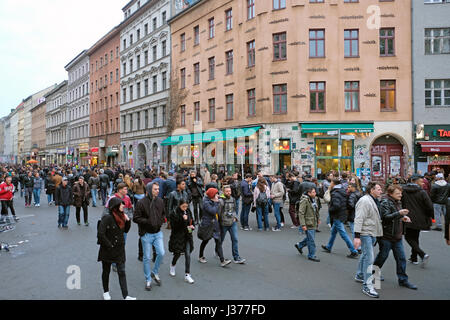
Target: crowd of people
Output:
[{"x": 214, "y": 204}]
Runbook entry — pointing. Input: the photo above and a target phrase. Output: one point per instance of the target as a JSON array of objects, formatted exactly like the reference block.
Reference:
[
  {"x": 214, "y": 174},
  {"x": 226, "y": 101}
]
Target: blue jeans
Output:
[
  {"x": 233, "y": 230},
  {"x": 63, "y": 215},
  {"x": 244, "y": 214},
  {"x": 399, "y": 254},
  {"x": 94, "y": 193},
  {"x": 111, "y": 188},
  {"x": 309, "y": 241},
  {"x": 259, "y": 212},
  {"x": 37, "y": 196},
  {"x": 149, "y": 240},
  {"x": 139, "y": 197},
  {"x": 237, "y": 206},
  {"x": 50, "y": 198},
  {"x": 439, "y": 209},
  {"x": 338, "y": 226},
  {"x": 276, "y": 210},
  {"x": 365, "y": 265}
]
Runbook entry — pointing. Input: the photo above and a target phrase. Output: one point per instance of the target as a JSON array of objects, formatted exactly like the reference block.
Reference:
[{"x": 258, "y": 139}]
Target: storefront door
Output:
[
  {"x": 327, "y": 156},
  {"x": 387, "y": 160}
]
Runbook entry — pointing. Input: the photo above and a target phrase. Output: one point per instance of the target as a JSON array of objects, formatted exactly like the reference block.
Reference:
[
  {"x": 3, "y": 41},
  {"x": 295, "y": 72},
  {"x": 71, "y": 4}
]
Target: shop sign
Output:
[
  {"x": 441, "y": 133},
  {"x": 281, "y": 145},
  {"x": 101, "y": 143},
  {"x": 351, "y": 137},
  {"x": 61, "y": 151},
  {"x": 94, "y": 150},
  {"x": 439, "y": 160}
]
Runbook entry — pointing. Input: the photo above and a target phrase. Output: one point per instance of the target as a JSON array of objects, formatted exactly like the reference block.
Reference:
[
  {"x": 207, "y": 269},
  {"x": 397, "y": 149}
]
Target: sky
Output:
[{"x": 38, "y": 38}]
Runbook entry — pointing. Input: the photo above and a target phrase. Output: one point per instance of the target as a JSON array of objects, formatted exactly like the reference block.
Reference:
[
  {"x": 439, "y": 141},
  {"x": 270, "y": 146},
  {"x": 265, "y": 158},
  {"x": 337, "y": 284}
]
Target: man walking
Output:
[
  {"x": 63, "y": 201},
  {"x": 247, "y": 200},
  {"x": 194, "y": 188},
  {"x": 104, "y": 183},
  {"x": 367, "y": 228},
  {"x": 28, "y": 183},
  {"x": 81, "y": 193},
  {"x": 439, "y": 195},
  {"x": 293, "y": 187},
  {"x": 6, "y": 197}
]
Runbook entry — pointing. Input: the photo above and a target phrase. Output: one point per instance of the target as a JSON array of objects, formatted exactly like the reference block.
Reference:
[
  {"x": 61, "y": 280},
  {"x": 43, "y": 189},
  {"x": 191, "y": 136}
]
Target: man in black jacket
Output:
[
  {"x": 194, "y": 189},
  {"x": 104, "y": 183},
  {"x": 439, "y": 195},
  {"x": 294, "y": 191},
  {"x": 149, "y": 215},
  {"x": 63, "y": 200},
  {"x": 338, "y": 213},
  {"x": 28, "y": 183},
  {"x": 247, "y": 200}
]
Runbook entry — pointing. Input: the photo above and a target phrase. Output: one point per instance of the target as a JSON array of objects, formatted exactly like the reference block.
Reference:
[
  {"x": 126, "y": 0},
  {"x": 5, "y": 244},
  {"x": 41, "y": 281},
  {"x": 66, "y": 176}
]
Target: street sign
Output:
[
  {"x": 196, "y": 153},
  {"x": 241, "y": 150},
  {"x": 351, "y": 137},
  {"x": 332, "y": 133}
]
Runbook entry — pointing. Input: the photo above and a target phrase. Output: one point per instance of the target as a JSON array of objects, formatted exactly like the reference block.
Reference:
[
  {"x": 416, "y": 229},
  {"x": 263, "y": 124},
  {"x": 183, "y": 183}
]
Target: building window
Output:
[
  {"x": 163, "y": 116},
  {"x": 352, "y": 96},
  {"x": 437, "y": 41},
  {"x": 280, "y": 98},
  {"x": 182, "y": 116},
  {"x": 154, "y": 24},
  {"x": 250, "y": 9},
  {"x": 212, "y": 64},
  {"x": 138, "y": 86},
  {"x": 131, "y": 122},
  {"x": 212, "y": 110},
  {"x": 317, "y": 43},
  {"x": 317, "y": 96},
  {"x": 197, "y": 73},
  {"x": 164, "y": 80},
  {"x": 437, "y": 93},
  {"x": 138, "y": 34},
  {"x": 196, "y": 35},
  {"x": 124, "y": 68},
  {"x": 211, "y": 28},
  {"x": 155, "y": 84},
  {"x": 146, "y": 119},
  {"x": 131, "y": 93},
  {"x": 146, "y": 87},
  {"x": 229, "y": 58},
  {"x": 279, "y": 4},
  {"x": 146, "y": 29},
  {"x": 228, "y": 19},
  {"x": 387, "y": 42},
  {"x": 154, "y": 53},
  {"x": 351, "y": 43},
  {"x": 117, "y": 75},
  {"x": 251, "y": 53},
  {"x": 111, "y": 78},
  {"x": 163, "y": 17},
  {"x": 387, "y": 95},
  {"x": 197, "y": 111},
  {"x": 155, "y": 117},
  {"x": 138, "y": 60},
  {"x": 183, "y": 42},
  {"x": 251, "y": 98},
  {"x": 163, "y": 48},
  {"x": 131, "y": 39},
  {"x": 279, "y": 46},
  {"x": 124, "y": 95},
  {"x": 145, "y": 57},
  {"x": 230, "y": 108},
  {"x": 138, "y": 121},
  {"x": 183, "y": 78}
]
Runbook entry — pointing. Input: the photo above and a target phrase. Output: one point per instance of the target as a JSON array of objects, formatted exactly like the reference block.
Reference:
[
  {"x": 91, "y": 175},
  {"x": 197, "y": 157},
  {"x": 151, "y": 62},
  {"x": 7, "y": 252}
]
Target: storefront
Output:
[
  {"x": 281, "y": 150},
  {"x": 432, "y": 148},
  {"x": 112, "y": 154},
  {"x": 93, "y": 156},
  {"x": 82, "y": 153}
]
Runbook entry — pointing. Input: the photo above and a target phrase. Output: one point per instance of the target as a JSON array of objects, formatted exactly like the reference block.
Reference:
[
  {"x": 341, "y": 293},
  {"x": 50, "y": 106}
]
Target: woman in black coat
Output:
[
  {"x": 181, "y": 241},
  {"x": 110, "y": 236}
]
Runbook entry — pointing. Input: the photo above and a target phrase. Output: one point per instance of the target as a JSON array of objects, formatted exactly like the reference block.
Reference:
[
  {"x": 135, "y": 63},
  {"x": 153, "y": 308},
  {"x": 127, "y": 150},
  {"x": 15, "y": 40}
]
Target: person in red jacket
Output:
[{"x": 6, "y": 198}]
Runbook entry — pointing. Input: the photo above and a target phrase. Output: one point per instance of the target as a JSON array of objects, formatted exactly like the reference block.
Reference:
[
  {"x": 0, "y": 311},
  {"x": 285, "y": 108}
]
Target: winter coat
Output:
[
  {"x": 440, "y": 192},
  {"x": 149, "y": 215},
  {"x": 235, "y": 189},
  {"x": 210, "y": 215},
  {"x": 256, "y": 195},
  {"x": 352, "y": 199},
  {"x": 104, "y": 181},
  {"x": 111, "y": 239},
  {"x": 94, "y": 182},
  {"x": 81, "y": 194},
  {"x": 227, "y": 211},
  {"x": 420, "y": 207},
  {"x": 28, "y": 182},
  {"x": 191, "y": 185},
  {"x": 174, "y": 200},
  {"x": 338, "y": 204},
  {"x": 179, "y": 235},
  {"x": 64, "y": 196},
  {"x": 294, "y": 191},
  {"x": 277, "y": 192},
  {"x": 247, "y": 194},
  {"x": 367, "y": 218},
  {"x": 38, "y": 183},
  {"x": 50, "y": 185},
  {"x": 391, "y": 218},
  {"x": 138, "y": 188},
  {"x": 6, "y": 191},
  {"x": 308, "y": 213},
  {"x": 170, "y": 185}
]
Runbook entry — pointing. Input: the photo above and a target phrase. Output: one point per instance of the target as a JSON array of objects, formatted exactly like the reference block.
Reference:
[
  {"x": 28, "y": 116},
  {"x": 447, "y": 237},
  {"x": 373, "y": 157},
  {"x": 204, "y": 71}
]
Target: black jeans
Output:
[
  {"x": 8, "y": 204},
  {"x": 412, "y": 237},
  {"x": 85, "y": 213},
  {"x": 122, "y": 277},
  {"x": 281, "y": 215},
  {"x": 187, "y": 258},
  {"x": 197, "y": 204},
  {"x": 104, "y": 195},
  {"x": 218, "y": 248}
]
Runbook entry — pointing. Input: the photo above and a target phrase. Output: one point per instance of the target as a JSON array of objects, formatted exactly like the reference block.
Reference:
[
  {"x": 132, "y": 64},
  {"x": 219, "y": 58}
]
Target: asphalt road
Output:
[{"x": 37, "y": 269}]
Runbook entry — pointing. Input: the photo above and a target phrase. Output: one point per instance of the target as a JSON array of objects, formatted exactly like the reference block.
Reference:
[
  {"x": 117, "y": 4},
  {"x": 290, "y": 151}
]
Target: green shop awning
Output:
[
  {"x": 345, "y": 127},
  {"x": 213, "y": 136}
]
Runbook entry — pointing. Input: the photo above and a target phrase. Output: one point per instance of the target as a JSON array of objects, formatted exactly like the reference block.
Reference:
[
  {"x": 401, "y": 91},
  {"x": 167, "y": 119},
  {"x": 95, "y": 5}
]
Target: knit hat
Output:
[{"x": 212, "y": 192}]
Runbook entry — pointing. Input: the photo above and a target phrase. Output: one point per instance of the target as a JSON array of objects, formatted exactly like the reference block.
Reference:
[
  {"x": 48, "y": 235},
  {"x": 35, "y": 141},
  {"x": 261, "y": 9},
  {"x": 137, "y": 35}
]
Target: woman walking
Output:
[
  {"x": 181, "y": 241},
  {"x": 261, "y": 198},
  {"x": 50, "y": 188},
  {"x": 81, "y": 195},
  {"x": 37, "y": 187},
  {"x": 210, "y": 217},
  {"x": 94, "y": 183},
  {"x": 138, "y": 189},
  {"x": 110, "y": 236}
]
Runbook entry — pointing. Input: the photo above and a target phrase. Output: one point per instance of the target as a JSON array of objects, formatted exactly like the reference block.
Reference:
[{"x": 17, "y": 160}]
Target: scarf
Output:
[{"x": 120, "y": 218}]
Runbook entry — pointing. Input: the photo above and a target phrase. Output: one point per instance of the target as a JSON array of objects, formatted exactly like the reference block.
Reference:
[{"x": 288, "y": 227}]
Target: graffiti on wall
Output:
[{"x": 362, "y": 154}]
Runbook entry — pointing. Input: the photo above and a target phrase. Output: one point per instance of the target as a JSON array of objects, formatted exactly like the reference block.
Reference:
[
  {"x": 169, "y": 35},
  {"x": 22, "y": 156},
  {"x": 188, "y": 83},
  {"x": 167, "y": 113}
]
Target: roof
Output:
[
  {"x": 62, "y": 84},
  {"x": 190, "y": 5},
  {"x": 74, "y": 60}
]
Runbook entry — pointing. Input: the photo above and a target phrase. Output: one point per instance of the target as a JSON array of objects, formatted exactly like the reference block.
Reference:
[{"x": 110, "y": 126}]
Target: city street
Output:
[{"x": 274, "y": 270}]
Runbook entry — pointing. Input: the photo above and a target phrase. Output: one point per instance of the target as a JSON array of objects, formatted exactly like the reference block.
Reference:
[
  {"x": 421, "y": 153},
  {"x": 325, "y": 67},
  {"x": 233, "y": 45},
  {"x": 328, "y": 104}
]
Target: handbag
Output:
[
  {"x": 205, "y": 232},
  {"x": 327, "y": 196}
]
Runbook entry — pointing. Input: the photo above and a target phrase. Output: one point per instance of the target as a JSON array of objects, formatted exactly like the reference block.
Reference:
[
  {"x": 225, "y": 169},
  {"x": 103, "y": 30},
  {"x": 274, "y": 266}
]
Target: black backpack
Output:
[{"x": 262, "y": 200}]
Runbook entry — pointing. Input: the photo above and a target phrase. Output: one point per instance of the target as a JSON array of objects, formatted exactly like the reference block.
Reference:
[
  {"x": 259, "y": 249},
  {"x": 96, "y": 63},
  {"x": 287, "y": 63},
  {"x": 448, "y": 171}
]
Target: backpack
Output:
[{"x": 262, "y": 200}]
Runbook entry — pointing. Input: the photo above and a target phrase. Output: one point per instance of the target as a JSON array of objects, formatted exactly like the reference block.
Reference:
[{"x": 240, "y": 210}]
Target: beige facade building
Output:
[
  {"x": 38, "y": 137},
  {"x": 252, "y": 64}
]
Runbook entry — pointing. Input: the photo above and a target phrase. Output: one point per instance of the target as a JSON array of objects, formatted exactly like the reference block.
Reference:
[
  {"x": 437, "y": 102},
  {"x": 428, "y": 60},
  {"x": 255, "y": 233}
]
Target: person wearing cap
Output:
[
  {"x": 81, "y": 193},
  {"x": 421, "y": 212},
  {"x": 211, "y": 216},
  {"x": 439, "y": 194},
  {"x": 63, "y": 201},
  {"x": 110, "y": 235}
]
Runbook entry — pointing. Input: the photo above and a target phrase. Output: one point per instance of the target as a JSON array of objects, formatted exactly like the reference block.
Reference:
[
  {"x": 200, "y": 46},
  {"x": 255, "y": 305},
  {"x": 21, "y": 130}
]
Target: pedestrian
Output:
[
  {"x": 94, "y": 183},
  {"x": 81, "y": 193},
  {"x": 421, "y": 212},
  {"x": 28, "y": 182},
  {"x": 261, "y": 198},
  {"x": 364, "y": 182},
  {"x": 104, "y": 183},
  {"x": 63, "y": 201},
  {"x": 353, "y": 196},
  {"x": 181, "y": 240},
  {"x": 247, "y": 200},
  {"x": 7, "y": 190},
  {"x": 309, "y": 218},
  {"x": 228, "y": 221},
  {"x": 150, "y": 215},
  {"x": 393, "y": 218},
  {"x": 293, "y": 188},
  {"x": 110, "y": 175},
  {"x": 210, "y": 219},
  {"x": 176, "y": 196},
  {"x": 50, "y": 189},
  {"x": 367, "y": 228},
  {"x": 233, "y": 182},
  {"x": 37, "y": 187},
  {"x": 440, "y": 192},
  {"x": 195, "y": 192},
  {"x": 276, "y": 195},
  {"x": 338, "y": 214},
  {"x": 138, "y": 189},
  {"x": 112, "y": 246}
]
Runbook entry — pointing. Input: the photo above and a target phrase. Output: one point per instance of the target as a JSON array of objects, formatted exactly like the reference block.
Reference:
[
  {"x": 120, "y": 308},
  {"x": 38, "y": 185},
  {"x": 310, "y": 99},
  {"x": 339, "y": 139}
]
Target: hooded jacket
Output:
[
  {"x": 6, "y": 191},
  {"x": 338, "y": 204},
  {"x": 308, "y": 213},
  {"x": 440, "y": 192},
  {"x": 367, "y": 218},
  {"x": 149, "y": 215},
  {"x": 420, "y": 207},
  {"x": 64, "y": 196}
]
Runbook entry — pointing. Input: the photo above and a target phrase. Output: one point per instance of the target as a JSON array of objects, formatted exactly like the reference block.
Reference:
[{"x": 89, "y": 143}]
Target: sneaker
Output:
[
  {"x": 359, "y": 279},
  {"x": 274, "y": 229},
  {"x": 315, "y": 259},
  {"x": 106, "y": 296},
  {"x": 202, "y": 260},
  {"x": 239, "y": 261},
  {"x": 16, "y": 219},
  {"x": 370, "y": 292},
  {"x": 317, "y": 230},
  {"x": 114, "y": 268},
  {"x": 157, "y": 279},
  {"x": 87, "y": 224},
  {"x": 413, "y": 261},
  {"x": 79, "y": 223},
  {"x": 359, "y": 251},
  {"x": 130, "y": 298},
  {"x": 148, "y": 286},
  {"x": 266, "y": 229},
  {"x": 188, "y": 279},
  {"x": 424, "y": 261},
  {"x": 225, "y": 263},
  {"x": 246, "y": 229},
  {"x": 326, "y": 249},
  {"x": 294, "y": 227},
  {"x": 282, "y": 224},
  {"x": 300, "y": 250},
  {"x": 353, "y": 255},
  {"x": 172, "y": 271},
  {"x": 329, "y": 225}
]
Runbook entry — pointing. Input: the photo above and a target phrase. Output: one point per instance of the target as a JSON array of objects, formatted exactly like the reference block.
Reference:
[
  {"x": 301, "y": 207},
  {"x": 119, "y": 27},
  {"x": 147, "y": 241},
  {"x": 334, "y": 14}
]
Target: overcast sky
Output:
[{"x": 39, "y": 37}]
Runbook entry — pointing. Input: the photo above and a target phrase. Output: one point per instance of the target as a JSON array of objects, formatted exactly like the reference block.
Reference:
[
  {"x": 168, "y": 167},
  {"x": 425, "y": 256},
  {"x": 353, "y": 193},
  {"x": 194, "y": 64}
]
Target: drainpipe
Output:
[{"x": 412, "y": 88}]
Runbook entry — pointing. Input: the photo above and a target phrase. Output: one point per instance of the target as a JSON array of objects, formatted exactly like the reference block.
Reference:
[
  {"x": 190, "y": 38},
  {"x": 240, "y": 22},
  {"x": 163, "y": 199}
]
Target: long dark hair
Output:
[{"x": 262, "y": 183}]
